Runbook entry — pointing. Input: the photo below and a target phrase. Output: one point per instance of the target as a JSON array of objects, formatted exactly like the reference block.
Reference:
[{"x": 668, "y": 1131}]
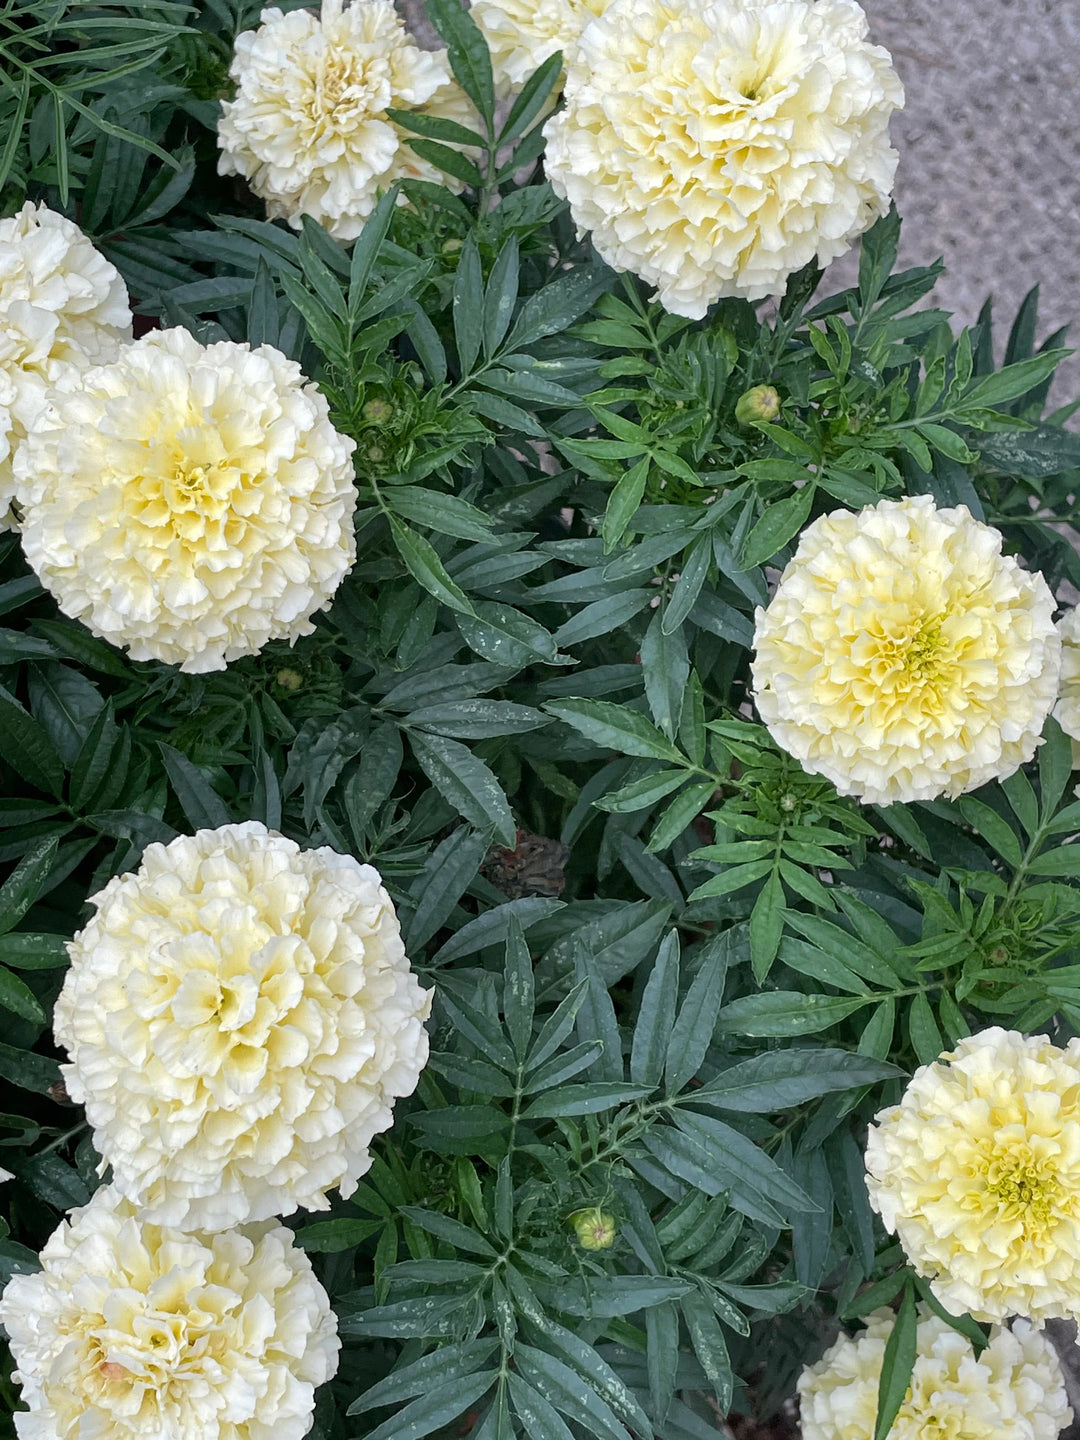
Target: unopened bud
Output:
[
  {"x": 757, "y": 404},
  {"x": 290, "y": 679},
  {"x": 594, "y": 1228},
  {"x": 377, "y": 412}
]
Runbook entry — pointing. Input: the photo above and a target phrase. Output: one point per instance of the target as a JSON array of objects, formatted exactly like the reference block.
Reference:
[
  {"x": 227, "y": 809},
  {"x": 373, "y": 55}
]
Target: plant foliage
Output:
[{"x": 675, "y": 975}]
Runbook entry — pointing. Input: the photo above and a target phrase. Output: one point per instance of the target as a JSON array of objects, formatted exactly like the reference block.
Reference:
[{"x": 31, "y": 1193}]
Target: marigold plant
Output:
[{"x": 538, "y": 867}]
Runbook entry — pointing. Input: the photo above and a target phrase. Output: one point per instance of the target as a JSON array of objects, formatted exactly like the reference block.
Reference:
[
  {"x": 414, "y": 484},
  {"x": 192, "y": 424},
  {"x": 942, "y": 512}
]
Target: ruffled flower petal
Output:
[
  {"x": 1014, "y": 1390},
  {"x": 130, "y": 1331},
  {"x": 977, "y": 1171},
  {"x": 240, "y": 1017},
  {"x": 189, "y": 502},
  {"x": 715, "y": 148},
  {"x": 903, "y": 656},
  {"x": 63, "y": 306},
  {"x": 308, "y": 128}
]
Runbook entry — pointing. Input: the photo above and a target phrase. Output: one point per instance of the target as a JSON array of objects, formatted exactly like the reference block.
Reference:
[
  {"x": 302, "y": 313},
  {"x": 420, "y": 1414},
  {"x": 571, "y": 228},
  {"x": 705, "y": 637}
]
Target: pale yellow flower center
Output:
[
  {"x": 346, "y": 86},
  {"x": 943, "y": 1427},
  {"x": 912, "y": 657},
  {"x": 1026, "y": 1187},
  {"x": 191, "y": 485},
  {"x": 156, "y": 1350}
]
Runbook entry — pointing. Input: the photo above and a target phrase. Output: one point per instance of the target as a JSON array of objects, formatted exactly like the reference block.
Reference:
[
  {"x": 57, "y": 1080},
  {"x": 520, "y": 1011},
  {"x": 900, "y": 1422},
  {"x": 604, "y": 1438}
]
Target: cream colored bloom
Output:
[
  {"x": 63, "y": 306},
  {"x": 977, "y": 1171},
  {"x": 1013, "y": 1391},
  {"x": 240, "y": 1017},
  {"x": 903, "y": 656},
  {"x": 522, "y": 34},
  {"x": 308, "y": 128},
  {"x": 189, "y": 502},
  {"x": 131, "y": 1332},
  {"x": 1067, "y": 709},
  {"x": 714, "y": 148}
]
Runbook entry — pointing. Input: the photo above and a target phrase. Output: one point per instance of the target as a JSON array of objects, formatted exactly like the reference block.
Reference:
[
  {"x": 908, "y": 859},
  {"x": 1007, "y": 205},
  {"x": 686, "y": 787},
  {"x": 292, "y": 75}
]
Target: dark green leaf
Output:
[
  {"x": 692, "y": 1033},
  {"x": 615, "y": 728},
  {"x": 24, "y": 884},
  {"x": 469, "y": 57},
  {"x": 709, "y": 1346},
  {"x": 27, "y": 1070},
  {"x": 781, "y": 520},
  {"x": 785, "y": 1013},
  {"x": 426, "y": 567},
  {"x": 558, "y": 304},
  {"x": 518, "y": 988},
  {"x": 500, "y": 296},
  {"x": 783, "y": 1079},
  {"x": 468, "y": 306},
  {"x": 589, "y": 1099},
  {"x": 330, "y": 1237},
  {"x": 897, "y": 1365},
  {"x": 656, "y": 1017},
  {"x": 16, "y": 996},
  {"x": 200, "y": 802},
  {"x": 435, "y": 1409},
  {"x": 449, "y": 1362},
  {"x": 466, "y": 782},
  {"x": 31, "y": 951},
  {"x": 26, "y": 747}
]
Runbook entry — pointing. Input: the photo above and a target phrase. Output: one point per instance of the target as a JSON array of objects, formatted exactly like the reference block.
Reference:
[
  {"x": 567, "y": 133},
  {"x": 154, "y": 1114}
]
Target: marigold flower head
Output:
[
  {"x": 240, "y": 1017},
  {"x": 63, "y": 306},
  {"x": 903, "y": 656},
  {"x": 130, "y": 1331},
  {"x": 308, "y": 127},
  {"x": 522, "y": 34},
  {"x": 189, "y": 502},
  {"x": 714, "y": 146},
  {"x": 1014, "y": 1390},
  {"x": 977, "y": 1171},
  {"x": 1067, "y": 709}
]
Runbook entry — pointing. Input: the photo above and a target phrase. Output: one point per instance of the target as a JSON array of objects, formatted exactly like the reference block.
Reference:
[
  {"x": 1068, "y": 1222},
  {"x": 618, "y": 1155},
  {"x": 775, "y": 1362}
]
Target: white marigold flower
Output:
[
  {"x": 977, "y": 1171},
  {"x": 522, "y": 34},
  {"x": 189, "y": 502},
  {"x": 714, "y": 148},
  {"x": 903, "y": 656},
  {"x": 1067, "y": 709},
  {"x": 240, "y": 1017},
  {"x": 63, "y": 306},
  {"x": 1014, "y": 1390},
  {"x": 131, "y": 1332},
  {"x": 308, "y": 128}
]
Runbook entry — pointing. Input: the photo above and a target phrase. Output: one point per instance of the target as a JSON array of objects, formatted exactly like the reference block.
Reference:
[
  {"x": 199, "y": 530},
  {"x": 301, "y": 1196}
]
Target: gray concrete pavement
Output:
[{"x": 989, "y": 144}]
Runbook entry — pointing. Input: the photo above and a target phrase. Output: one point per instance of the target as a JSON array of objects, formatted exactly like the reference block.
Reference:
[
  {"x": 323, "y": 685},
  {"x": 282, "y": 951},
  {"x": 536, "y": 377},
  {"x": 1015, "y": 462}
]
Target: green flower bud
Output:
[
  {"x": 377, "y": 412},
  {"x": 757, "y": 404},
  {"x": 594, "y": 1228},
  {"x": 289, "y": 679}
]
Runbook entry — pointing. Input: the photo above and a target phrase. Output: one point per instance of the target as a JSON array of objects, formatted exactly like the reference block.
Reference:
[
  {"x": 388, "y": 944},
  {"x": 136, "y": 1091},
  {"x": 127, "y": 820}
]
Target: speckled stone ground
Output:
[{"x": 989, "y": 141}]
